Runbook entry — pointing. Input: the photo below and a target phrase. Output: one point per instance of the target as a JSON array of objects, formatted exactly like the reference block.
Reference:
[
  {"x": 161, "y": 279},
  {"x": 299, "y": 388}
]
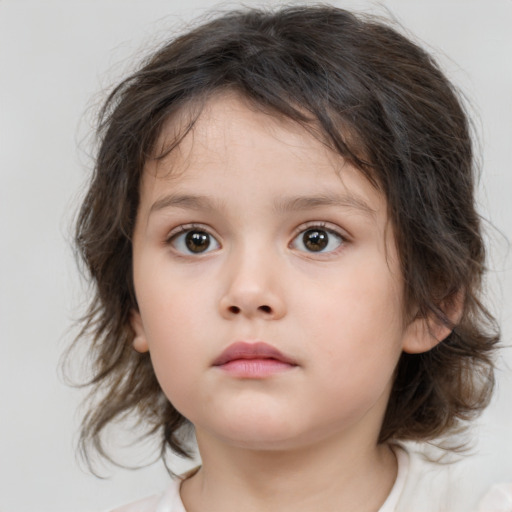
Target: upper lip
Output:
[{"x": 257, "y": 350}]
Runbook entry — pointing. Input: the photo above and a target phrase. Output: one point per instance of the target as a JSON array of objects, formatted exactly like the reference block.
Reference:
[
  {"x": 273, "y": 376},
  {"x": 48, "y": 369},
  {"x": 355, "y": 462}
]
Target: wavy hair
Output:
[{"x": 369, "y": 91}]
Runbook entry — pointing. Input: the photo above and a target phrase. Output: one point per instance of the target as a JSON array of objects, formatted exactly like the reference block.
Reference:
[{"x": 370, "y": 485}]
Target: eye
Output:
[
  {"x": 317, "y": 239},
  {"x": 194, "y": 241}
]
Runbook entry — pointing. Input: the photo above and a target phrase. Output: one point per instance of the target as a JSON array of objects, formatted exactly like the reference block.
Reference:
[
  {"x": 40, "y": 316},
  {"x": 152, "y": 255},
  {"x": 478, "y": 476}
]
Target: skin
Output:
[{"x": 304, "y": 438}]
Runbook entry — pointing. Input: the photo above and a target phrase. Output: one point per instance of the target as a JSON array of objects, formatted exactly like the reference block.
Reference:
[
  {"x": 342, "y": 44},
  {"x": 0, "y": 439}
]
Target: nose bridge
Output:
[
  {"x": 250, "y": 269},
  {"x": 252, "y": 287}
]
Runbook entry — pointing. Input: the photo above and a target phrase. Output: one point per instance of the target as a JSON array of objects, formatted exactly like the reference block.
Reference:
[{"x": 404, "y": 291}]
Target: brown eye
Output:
[
  {"x": 197, "y": 241},
  {"x": 194, "y": 241},
  {"x": 317, "y": 239}
]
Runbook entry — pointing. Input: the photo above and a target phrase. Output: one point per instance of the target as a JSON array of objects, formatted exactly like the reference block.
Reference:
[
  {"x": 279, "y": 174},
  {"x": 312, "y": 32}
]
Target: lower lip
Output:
[{"x": 255, "y": 368}]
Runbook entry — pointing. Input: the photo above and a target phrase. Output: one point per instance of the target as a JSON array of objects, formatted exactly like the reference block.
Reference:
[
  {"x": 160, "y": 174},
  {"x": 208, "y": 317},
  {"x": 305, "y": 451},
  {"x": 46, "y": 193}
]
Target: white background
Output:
[{"x": 56, "y": 60}]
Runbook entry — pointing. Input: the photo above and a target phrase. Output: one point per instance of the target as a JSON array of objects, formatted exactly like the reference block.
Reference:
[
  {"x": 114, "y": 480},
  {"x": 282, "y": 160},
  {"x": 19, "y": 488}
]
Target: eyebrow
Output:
[
  {"x": 311, "y": 202},
  {"x": 185, "y": 202},
  {"x": 283, "y": 205}
]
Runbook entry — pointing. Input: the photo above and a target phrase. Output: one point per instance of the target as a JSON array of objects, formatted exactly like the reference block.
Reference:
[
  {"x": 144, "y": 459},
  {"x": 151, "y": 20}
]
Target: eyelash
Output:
[
  {"x": 304, "y": 228},
  {"x": 189, "y": 228},
  {"x": 320, "y": 226}
]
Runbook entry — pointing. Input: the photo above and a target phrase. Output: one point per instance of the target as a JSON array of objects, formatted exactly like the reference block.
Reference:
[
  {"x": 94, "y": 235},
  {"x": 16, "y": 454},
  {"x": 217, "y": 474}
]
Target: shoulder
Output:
[
  {"x": 168, "y": 501},
  {"x": 461, "y": 486},
  {"x": 497, "y": 499},
  {"x": 148, "y": 504}
]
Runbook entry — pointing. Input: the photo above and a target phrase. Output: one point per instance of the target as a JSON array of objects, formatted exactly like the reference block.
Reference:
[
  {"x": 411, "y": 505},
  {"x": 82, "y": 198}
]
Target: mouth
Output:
[{"x": 253, "y": 360}]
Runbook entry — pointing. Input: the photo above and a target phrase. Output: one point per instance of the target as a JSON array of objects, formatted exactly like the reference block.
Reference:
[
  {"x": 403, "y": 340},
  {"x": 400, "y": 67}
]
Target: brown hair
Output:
[{"x": 347, "y": 75}]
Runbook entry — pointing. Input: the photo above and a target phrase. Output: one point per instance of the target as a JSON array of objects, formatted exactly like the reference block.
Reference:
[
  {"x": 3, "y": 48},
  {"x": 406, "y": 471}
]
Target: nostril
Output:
[{"x": 236, "y": 310}]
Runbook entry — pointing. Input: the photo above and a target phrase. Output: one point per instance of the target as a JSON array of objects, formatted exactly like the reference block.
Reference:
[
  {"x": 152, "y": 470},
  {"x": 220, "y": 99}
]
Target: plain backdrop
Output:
[{"x": 57, "y": 60}]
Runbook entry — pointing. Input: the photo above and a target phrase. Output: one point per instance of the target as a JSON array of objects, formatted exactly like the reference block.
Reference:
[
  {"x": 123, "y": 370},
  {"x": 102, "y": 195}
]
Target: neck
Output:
[{"x": 323, "y": 476}]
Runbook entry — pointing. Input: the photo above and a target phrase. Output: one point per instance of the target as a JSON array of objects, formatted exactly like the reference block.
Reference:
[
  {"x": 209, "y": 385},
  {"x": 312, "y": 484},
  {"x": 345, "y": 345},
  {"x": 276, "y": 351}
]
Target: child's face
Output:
[{"x": 253, "y": 231}]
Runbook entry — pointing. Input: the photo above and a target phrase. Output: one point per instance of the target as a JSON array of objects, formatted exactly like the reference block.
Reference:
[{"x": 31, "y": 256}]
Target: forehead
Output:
[{"x": 233, "y": 140}]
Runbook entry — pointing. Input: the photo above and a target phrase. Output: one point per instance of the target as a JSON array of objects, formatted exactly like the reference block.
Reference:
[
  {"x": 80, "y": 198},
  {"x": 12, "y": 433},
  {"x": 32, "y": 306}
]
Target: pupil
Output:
[
  {"x": 315, "y": 240},
  {"x": 197, "y": 241}
]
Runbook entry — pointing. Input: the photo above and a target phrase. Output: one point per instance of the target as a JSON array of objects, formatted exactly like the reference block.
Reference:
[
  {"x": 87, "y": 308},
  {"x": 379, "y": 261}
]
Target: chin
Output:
[
  {"x": 260, "y": 444},
  {"x": 266, "y": 436}
]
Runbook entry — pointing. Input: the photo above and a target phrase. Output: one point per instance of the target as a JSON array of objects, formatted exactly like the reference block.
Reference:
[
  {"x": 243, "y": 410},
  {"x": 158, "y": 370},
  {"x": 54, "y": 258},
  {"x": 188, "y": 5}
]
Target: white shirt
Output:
[{"x": 420, "y": 486}]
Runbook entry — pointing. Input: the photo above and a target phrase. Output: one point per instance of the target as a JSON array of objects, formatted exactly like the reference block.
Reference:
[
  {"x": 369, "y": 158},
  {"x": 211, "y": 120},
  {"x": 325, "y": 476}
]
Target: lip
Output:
[{"x": 253, "y": 360}]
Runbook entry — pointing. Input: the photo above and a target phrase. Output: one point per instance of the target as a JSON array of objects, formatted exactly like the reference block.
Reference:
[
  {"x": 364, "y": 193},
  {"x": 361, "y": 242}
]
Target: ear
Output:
[
  {"x": 424, "y": 333},
  {"x": 140, "y": 343}
]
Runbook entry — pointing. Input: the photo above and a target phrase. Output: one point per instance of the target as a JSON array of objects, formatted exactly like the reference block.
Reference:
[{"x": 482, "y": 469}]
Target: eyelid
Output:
[
  {"x": 327, "y": 226},
  {"x": 185, "y": 228},
  {"x": 324, "y": 226}
]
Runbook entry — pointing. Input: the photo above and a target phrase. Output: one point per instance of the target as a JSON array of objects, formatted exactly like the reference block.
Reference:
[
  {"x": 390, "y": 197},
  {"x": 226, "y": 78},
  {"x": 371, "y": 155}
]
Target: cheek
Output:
[
  {"x": 176, "y": 359},
  {"x": 173, "y": 324},
  {"x": 170, "y": 301},
  {"x": 357, "y": 303},
  {"x": 355, "y": 354},
  {"x": 358, "y": 325}
]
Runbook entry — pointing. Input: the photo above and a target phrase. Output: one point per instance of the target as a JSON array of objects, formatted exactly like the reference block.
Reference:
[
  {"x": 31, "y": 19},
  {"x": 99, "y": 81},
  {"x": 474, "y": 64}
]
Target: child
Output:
[{"x": 286, "y": 256}]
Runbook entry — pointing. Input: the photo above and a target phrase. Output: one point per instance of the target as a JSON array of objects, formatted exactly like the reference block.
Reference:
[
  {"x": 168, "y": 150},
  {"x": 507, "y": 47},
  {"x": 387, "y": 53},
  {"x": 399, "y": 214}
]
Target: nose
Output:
[{"x": 253, "y": 289}]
